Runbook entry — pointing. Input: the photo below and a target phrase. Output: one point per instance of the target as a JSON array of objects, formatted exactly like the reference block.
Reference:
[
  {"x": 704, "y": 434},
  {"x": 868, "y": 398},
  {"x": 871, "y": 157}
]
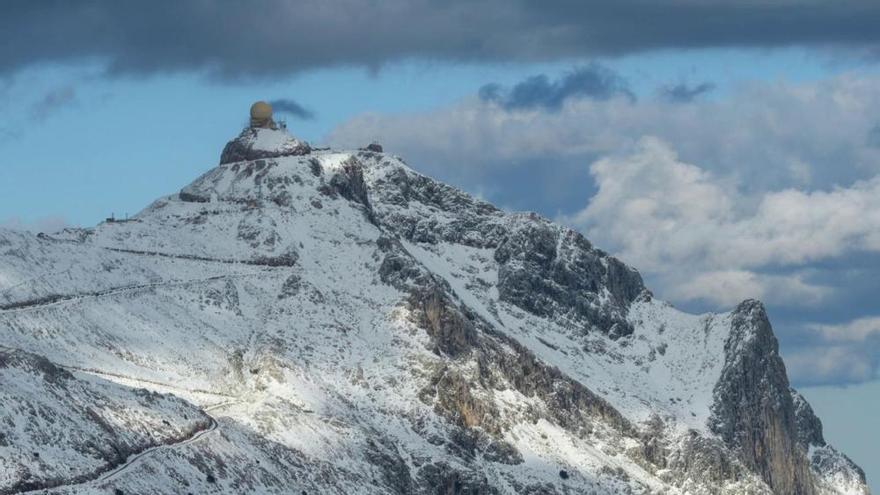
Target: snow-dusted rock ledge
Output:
[{"x": 253, "y": 144}]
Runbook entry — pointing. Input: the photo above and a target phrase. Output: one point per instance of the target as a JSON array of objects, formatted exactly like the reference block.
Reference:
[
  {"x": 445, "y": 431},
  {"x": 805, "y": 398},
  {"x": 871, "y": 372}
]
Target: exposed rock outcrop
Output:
[
  {"x": 809, "y": 426},
  {"x": 555, "y": 272},
  {"x": 258, "y": 143},
  {"x": 754, "y": 412}
]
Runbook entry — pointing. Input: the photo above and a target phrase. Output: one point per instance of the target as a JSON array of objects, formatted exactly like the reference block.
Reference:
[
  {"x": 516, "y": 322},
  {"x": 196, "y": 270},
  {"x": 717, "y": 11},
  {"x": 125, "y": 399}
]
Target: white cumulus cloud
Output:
[
  {"x": 658, "y": 211},
  {"x": 729, "y": 287},
  {"x": 767, "y": 136},
  {"x": 857, "y": 330},
  {"x": 825, "y": 364}
]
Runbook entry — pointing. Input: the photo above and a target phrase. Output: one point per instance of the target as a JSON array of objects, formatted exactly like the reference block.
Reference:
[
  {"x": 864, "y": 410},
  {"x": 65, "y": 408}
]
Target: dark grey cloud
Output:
[
  {"x": 684, "y": 93},
  {"x": 292, "y": 108},
  {"x": 235, "y": 39},
  {"x": 53, "y": 101},
  {"x": 593, "y": 81}
]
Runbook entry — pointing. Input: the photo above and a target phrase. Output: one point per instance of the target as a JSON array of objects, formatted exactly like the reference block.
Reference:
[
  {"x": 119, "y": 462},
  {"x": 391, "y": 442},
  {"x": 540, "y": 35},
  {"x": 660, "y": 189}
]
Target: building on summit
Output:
[{"x": 261, "y": 116}]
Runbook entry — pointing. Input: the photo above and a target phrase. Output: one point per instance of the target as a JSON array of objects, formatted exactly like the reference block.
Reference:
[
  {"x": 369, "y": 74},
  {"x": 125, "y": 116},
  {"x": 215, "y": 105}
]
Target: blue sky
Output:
[
  {"x": 169, "y": 127},
  {"x": 736, "y": 160}
]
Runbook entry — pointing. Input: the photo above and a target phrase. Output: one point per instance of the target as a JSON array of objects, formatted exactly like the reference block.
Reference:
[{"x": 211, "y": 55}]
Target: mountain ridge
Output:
[{"x": 383, "y": 332}]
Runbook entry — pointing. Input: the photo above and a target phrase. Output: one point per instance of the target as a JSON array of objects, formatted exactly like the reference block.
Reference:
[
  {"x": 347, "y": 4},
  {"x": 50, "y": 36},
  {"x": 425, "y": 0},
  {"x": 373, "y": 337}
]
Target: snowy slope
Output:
[
  {"x": 58, "y": 428},
  {"x": 347, "y": 325}
]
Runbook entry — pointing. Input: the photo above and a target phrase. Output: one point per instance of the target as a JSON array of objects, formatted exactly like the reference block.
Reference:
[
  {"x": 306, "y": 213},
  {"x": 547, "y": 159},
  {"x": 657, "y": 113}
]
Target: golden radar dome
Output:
[
  {"x": 261, "y": 115},
  {"x": 261, "y": 111}
]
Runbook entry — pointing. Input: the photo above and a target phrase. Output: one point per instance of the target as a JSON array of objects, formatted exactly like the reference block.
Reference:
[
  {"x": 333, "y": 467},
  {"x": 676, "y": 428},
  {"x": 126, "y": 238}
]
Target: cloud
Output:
[
  {"x": 830, "y": 365},
  {"x": 292, "y": 108},
  {"x": 729, "y": 287},
  {"x": 657, "y": 210},
  {"x": 245, "y": 40},
  {"x": 760, "y": 136},
  {"x": 593, "y": 81},
  {"x": 837, "y": 353},
  {"x": 857, "y": 330},
  {"x": 52, "y": 101},
  {"x": 682, "y": 93},
  {"x": 678, "y": 222}
]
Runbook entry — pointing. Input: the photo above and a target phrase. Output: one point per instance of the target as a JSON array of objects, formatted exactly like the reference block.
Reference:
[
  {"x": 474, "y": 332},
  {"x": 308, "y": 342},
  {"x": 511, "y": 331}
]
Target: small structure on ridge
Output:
[
  {"x": 261, "y": 116},
  {"x": 263, "y": 138}
]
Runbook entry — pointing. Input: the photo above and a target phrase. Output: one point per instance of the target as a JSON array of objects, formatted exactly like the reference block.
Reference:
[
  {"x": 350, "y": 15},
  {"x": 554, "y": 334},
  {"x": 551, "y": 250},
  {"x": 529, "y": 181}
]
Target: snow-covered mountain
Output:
[{"x": 318, "y": 321}]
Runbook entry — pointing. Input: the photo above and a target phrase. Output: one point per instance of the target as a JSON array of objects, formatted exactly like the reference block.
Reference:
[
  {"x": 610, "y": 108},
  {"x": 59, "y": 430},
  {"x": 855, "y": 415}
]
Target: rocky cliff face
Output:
[
  {"x": 257, "y": 143},
  {"x": 334, "y": 322},
  {"x": 754, "y": 410}
]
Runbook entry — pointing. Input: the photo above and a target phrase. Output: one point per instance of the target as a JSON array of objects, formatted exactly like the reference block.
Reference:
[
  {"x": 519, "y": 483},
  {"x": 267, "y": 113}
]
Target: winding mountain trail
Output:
[
  {"x": 56, "y": 299},
  {"x": 190, "y": 257},
  {"x": 150, "y": 384},
  {"x": 213, "y": 426},
  {"x": 134, "y": 459},
  {"x": 31, "y": 280}
]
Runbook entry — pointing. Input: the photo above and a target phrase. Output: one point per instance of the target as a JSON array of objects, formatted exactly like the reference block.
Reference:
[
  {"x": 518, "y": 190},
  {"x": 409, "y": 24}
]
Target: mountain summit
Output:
[{"x": 313, "y": 321}]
